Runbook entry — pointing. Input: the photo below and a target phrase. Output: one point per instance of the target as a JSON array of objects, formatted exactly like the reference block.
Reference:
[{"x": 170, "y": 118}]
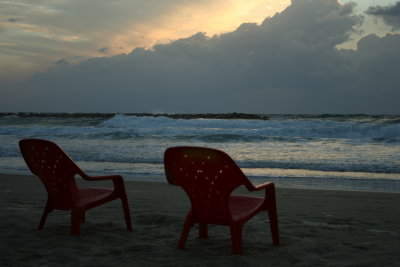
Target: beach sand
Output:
[{"x": 317, "y": 228}]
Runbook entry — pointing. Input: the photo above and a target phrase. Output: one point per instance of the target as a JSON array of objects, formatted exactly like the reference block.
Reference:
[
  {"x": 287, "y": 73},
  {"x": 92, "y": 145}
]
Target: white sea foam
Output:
[
  {"x": 123, "y": 125},
  {"x": 258, "y": 128}
]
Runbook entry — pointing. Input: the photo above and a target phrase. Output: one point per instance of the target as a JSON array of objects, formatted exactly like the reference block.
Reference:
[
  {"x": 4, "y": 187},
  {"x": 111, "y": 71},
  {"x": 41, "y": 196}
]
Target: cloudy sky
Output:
[{"x": 181, "y": 56}]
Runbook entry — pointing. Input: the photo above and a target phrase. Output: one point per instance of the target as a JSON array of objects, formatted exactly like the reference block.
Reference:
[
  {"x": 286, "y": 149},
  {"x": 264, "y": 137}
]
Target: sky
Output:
[{"x": 181, "y": 56}]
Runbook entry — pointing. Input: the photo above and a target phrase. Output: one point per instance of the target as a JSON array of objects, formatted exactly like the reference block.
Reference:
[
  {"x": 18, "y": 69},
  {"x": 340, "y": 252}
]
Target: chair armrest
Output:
[
  {"x": 267, "y": 186},
  {"x": 117, "y": 180},
  {"x": 270, "y": 197},
  {"x": 102, "y": 178}
]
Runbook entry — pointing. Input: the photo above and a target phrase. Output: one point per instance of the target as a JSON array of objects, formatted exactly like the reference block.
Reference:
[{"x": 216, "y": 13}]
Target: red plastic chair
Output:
[
  {"x": 208, "y": 176},
  {"x": 57, "y": 172}
]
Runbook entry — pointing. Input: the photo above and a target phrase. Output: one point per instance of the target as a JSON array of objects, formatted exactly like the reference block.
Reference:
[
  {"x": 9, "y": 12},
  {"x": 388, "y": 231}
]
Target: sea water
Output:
[{"x": 345, "y": 152}]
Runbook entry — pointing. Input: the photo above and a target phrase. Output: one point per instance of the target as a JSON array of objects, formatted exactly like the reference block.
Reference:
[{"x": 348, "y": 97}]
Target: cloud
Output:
[
  {"x": 62, "y": 61},
  {"x": 389, "y": 14},
  {"x": 287, "y": 64},
  {"x": 104, "y": 49},
  {"x": 14, "y": 20},
  {"x": 75, "y": 30}
]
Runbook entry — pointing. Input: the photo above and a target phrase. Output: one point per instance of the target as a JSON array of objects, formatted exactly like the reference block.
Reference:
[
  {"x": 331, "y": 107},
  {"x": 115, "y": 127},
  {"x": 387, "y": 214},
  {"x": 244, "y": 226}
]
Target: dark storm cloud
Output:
[
  {"x": 389, "y": 14},
  {"x": 288, "y": 64}
]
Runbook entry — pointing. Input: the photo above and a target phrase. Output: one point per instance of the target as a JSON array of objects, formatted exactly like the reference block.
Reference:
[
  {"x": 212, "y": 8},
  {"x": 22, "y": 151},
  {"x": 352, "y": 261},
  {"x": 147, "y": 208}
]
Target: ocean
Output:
[{"x": 339, "y": 152}]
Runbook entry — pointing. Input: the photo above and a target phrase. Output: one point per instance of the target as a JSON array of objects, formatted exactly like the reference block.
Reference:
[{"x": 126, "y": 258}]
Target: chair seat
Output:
[
  {"x": 244, "y": 207},
  {"x": 88, "y": 196}
]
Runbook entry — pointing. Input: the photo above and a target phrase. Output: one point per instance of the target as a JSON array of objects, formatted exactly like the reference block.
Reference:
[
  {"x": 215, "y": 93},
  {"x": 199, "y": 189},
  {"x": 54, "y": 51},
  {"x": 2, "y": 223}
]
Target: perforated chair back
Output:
[
  {"x": 54, "y": 168},
  {"x": 208, "y": 176}
]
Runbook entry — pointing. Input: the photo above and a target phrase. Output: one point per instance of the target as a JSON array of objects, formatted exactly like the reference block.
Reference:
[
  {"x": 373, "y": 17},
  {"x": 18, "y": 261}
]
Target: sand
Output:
[{"x": 317, "y": 228}]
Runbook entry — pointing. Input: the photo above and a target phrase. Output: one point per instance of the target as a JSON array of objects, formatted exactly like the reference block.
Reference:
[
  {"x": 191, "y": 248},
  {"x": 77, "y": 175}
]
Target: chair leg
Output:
[
  {"x": 273, "y": 224},
  {"x": 127, "y": 213},
  {"x": 46, "y": 211},
  {"x": 236, "y": 238},
  {"x": 76, "y": 218},
  {"x": 185, "y": 231},
  {"x": 203, "y": 230},
  {"x": 273, "y": 217}
]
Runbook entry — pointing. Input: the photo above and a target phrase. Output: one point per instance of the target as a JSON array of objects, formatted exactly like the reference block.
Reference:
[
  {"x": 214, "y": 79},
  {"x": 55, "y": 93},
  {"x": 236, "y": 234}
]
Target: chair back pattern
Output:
[
  {"x": 54, "y": 168},
  {"x": 208, "y": 176}
]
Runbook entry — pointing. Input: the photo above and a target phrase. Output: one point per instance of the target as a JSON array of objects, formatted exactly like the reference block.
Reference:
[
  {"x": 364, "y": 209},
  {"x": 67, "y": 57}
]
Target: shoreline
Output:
[
  {"x": 317, "y": 228},
  {"x": 384, "y": 185}
]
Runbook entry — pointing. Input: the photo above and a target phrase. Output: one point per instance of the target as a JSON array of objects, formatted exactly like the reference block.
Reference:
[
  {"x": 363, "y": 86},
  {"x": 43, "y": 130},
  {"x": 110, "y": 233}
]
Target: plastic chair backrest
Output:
[
  {"x": 54, "y": 168},
  {"x": 208, "y": 176}
]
